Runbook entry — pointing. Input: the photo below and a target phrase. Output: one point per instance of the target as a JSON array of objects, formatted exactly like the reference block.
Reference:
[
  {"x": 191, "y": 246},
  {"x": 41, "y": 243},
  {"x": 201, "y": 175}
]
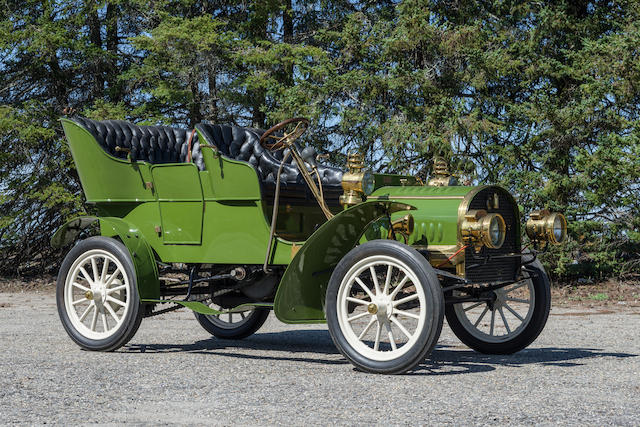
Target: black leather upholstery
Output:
[
  {"x": 244, "y": 144},
  {"x": 153, "y": 144},
  {"x": 164, "y": 144}
]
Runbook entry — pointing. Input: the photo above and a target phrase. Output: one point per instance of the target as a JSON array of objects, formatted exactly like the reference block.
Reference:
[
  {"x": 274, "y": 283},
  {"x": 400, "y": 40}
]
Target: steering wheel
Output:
[{"x": 290, "y": 133}]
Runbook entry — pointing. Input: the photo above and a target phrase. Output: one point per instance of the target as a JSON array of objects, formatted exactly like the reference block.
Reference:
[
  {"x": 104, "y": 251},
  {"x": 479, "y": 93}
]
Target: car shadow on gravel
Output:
[
  {"x": 314, "y": 341},
  {"x": 446, "y": 361},
  {"x": 315, "y": 346}
]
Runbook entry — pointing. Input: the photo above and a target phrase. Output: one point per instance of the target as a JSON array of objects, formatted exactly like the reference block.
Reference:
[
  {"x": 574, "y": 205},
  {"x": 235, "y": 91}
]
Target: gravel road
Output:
[{"x": 584, "y": 369}]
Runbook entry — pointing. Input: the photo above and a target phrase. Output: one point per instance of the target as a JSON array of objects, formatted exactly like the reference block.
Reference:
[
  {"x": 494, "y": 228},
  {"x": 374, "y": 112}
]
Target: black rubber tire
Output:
[
  {"x": 130, "y": 325},
  {"x": 542, "y": 298},
  {"x": 435, "y": 306},
  {"x": 251, "y": 326}
]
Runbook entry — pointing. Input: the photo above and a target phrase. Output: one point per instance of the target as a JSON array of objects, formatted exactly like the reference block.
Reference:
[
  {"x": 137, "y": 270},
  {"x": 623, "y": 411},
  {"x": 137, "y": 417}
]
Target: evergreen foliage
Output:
[{"x": 541, "y": 97}]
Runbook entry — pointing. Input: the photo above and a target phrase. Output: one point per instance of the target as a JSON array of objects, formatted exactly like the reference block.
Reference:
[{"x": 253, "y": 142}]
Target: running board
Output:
[{"x": 201, "y": 308}]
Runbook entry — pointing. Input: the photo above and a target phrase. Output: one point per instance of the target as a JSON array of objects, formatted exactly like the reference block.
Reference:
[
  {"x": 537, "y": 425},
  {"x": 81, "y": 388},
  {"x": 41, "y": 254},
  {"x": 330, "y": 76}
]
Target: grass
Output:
[{"x": 598, "y": 297}]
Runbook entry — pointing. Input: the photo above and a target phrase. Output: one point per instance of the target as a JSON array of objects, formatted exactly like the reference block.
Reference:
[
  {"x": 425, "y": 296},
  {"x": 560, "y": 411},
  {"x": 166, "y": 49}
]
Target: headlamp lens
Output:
[{"x": 368, "y": 183}]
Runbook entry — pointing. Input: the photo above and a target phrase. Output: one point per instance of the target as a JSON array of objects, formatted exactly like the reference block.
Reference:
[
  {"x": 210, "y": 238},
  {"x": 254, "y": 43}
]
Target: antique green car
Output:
[{"x": 233, "y": 222}]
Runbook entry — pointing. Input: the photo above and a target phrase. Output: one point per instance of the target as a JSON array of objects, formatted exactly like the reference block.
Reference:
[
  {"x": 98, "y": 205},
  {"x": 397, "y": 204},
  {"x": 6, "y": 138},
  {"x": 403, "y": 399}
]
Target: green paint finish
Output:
[
  {"x": 229, "y": 179},
  {"x": 139, "y": 250},
  {"x": 234, "y": 232},
  {"x": 387, "y": 179},
  {"x": 105, "y": 178},
  {"x": 68, "y": 232},
  {"x": 436, "y": 217},
  {"x": 422, "y": 191},
  {"x": 301, "y": 293},
  {"x": 179, "y": 193}
]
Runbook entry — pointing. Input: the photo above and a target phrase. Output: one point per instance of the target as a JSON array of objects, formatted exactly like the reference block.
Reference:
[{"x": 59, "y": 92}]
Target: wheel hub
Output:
[
  {"x": 382, "y": 306},
  {"x": 372, "y": 308}
]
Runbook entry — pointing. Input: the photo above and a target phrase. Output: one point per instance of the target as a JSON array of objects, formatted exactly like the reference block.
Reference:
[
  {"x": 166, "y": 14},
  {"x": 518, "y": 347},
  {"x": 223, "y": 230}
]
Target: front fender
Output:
[
  {"x": 141, "y": 254},
  {"x": 301, "y": 293}
]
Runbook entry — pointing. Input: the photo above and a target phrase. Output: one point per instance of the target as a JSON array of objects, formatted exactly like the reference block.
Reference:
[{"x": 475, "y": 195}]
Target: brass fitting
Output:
[
  {"x": 482, "y": 229},
  {"x": 546, "y": 227},
  {"x": 357, "y": 182},
  {"x": 441, "y": 175}
]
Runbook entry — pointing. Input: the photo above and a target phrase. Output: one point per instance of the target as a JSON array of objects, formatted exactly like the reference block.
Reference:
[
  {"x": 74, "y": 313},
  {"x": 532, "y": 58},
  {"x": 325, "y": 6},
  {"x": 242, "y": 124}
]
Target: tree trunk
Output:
[
  {"x": 93, "y": 21},
  {"x": 287, "y": 28},
  {"x": 115, "y": 89}
]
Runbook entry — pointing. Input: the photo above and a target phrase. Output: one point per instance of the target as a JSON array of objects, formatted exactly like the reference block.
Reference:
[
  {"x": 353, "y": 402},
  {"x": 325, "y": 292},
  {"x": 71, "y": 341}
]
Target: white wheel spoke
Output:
[
  {"x": 96, "y": 288},
  {"x": 392, "y": 341},
  {"x": 112, "y": 313},
  {"x": 358, "y": 316},
  {"x": 116, "y": 301},
  {"x": 493, "y": 321},
  {"x": 94, "y": 319},
  {"x": 116, "y": 289},
  {"x": 358, "y": 301},
  {"x": 405, "y": 299},
  {"x": 105, "y": 269},
  {"x": 79, "y": 286},
  {"x": 113, "y": 276},
  {"x": 366, "y": 329},
  {"x": 376, "y": 344},
  {"x": 474, "y": 306},
  {"x": 504, "y": 320},
  {"x": 94, "y": 269},
  {"x": 86, "y": 275},
  {"x": 104, "y": 321},
  {"x": 520, "y": 318},
  {"x": 91, "y": 305},
  {"x": 399, "y": 287},
  {"x": 524, "y": 301},
  {"x": 391, "y": 279},
  {"x": 364, "y": 287},
  {"x": 406, "y": 314},
  {"x": 401, "y": 326},
  {"x": 387, "y": 280},
  {"x": 481, "y": 316},
  {"x": 374, "y": 277}
]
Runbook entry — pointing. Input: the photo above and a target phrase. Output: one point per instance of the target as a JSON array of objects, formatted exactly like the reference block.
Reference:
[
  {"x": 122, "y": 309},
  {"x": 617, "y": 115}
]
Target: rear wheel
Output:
[
  {"x": 97, "y": 294},
  {"x": 384, "y": 307},
  {"x": 509, "y": 323},
  {"x": 233, "y": 326}
]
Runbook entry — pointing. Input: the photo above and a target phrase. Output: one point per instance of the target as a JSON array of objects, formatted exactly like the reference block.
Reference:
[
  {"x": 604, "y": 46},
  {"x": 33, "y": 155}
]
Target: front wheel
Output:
[
  {"x": 97, "y": 294},
  {"x": 384, "y": 307},
  {"x": 511, "y": 321}
]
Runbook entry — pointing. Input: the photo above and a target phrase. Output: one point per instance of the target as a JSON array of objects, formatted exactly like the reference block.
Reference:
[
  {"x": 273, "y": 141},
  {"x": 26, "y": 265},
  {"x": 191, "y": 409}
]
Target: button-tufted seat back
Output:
[
  {"x": 153, "y": 144},
  {"x": 244, "y": 144}
]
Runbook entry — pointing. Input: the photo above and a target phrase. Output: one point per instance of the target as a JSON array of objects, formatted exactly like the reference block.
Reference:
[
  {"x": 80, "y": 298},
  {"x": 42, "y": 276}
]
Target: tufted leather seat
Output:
[
  {"x": 244, "y": 144},
  {"x": 153, "y": 144}
]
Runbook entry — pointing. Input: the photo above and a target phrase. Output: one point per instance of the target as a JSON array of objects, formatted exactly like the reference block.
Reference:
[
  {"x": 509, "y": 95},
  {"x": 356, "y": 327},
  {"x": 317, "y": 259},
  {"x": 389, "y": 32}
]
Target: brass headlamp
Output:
[
  {"x": 357, "y": 182},
  {"x": 545, "y": 226},
  {"x": 482, "y": 229}
]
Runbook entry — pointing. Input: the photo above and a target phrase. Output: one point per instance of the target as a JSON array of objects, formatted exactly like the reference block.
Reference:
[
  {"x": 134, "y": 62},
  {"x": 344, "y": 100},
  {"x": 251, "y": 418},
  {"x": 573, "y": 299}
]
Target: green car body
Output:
[{"x": 177, "y": 213}]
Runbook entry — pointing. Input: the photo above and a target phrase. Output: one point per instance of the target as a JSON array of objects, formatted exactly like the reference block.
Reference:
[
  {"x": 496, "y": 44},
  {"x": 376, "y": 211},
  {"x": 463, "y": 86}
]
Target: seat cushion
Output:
[
  {"x": 153, "y": 144},
  {"x": 243, "y": 144}
]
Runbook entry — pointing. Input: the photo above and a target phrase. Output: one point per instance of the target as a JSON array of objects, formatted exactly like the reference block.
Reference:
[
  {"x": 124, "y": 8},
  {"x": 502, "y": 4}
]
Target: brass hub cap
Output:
[{"x": 372, "y": 308}]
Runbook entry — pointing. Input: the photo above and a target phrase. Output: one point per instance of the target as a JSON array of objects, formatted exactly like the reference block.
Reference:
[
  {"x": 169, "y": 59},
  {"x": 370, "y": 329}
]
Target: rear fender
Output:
[
  {"x": 301, "y": 293},
  {"x": 140, "y": 251}
]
